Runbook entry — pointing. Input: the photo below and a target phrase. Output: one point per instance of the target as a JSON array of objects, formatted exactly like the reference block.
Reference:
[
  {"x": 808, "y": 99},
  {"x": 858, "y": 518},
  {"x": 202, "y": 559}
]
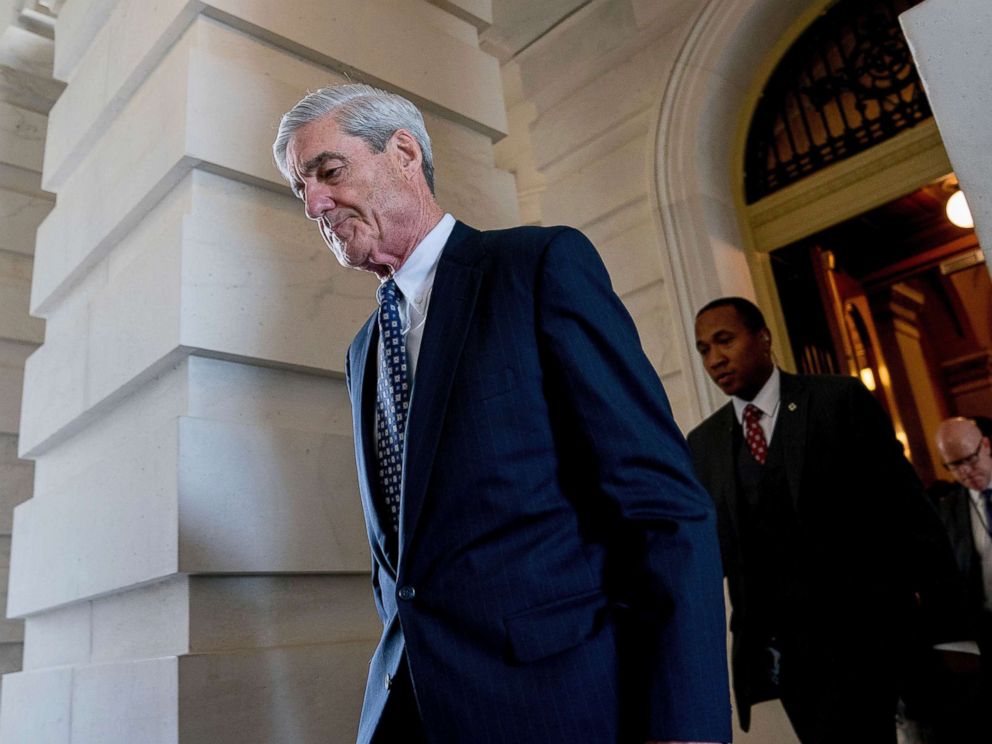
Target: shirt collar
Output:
[
  {"x": 416, "y": 276},
  {"x": 766, "y": 400}
]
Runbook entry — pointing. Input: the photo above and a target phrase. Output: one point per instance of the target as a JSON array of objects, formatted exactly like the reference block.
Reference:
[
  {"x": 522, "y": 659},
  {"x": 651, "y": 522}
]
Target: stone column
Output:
[
  {"x": 950, "y": 44},
  {"x": 27, "y": 92},
  {"x": 193, "y": 566}
]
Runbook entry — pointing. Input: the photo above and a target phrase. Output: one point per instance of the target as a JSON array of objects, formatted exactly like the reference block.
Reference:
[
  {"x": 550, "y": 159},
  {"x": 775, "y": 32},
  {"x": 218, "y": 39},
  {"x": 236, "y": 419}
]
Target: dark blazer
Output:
[
  {"x": 871, "y": 540},
  {"x": 956, "y": 513},
  {"x": 558, "y": 577}
]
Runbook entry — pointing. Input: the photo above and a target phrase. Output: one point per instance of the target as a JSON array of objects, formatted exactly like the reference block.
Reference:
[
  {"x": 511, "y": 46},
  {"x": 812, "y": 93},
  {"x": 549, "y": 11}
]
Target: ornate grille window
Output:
[{"x": 848, "y": 83}]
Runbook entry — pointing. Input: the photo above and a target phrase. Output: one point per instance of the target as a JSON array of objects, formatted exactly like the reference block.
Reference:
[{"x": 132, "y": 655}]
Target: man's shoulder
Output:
[
  {"x": 529, "y": 237},
  {"x": 717, "y": 424},
  {"x": 824, "y": 386}
]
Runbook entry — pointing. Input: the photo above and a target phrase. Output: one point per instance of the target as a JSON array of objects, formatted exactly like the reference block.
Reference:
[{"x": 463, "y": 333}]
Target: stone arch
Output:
[{"x": 702, "y": 121}]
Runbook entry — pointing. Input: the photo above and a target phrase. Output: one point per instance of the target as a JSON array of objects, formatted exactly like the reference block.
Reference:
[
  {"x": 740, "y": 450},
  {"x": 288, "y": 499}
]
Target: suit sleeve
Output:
[
  {"x": 910, "y": 527},
  {"x": 617, "y": 428}
]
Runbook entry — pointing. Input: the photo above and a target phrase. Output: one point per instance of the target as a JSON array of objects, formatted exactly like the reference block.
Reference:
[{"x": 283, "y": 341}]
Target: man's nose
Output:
[{"x": 318, "y": 201}]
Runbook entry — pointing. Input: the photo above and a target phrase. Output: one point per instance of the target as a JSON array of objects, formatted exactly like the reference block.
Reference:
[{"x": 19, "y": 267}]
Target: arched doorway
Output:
[{"x": 725, "y": 240}]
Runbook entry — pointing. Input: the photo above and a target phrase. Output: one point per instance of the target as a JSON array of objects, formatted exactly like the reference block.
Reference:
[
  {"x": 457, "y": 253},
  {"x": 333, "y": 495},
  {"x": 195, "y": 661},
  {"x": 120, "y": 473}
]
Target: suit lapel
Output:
[
  {"x": 363, "y": 386},
  {"x": 791, "y": 426},
  {"x": 453, "y": 296},
  {"x": 724, "y": 462}
]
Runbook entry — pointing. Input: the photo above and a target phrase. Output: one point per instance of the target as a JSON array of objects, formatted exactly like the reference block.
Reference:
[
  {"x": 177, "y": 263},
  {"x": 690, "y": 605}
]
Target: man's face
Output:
[
  {"x": 737, "y": 359},
  {"x": 966, "y": 453},
  {"x": 363, "y": 205}
]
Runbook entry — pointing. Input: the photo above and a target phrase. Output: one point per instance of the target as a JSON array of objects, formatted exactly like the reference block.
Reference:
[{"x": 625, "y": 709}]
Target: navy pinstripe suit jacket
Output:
[{"x": 559, "y": 577}]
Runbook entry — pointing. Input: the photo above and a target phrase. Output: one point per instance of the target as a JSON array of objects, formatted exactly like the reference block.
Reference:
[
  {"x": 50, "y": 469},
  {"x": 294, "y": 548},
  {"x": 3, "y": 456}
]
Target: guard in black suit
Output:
[{"x": 829, "y": 543}]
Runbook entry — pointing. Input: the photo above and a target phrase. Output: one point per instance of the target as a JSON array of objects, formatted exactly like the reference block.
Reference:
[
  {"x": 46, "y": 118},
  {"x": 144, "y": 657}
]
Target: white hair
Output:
[{"x": 361, "y": 111}]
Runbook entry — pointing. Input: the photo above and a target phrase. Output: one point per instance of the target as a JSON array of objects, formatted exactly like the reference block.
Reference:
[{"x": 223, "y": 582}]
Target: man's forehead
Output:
[
  {"x": 961, "y": 434},
  {"x": 317, "y": 140},
  {"x": 720, "y": 318}
]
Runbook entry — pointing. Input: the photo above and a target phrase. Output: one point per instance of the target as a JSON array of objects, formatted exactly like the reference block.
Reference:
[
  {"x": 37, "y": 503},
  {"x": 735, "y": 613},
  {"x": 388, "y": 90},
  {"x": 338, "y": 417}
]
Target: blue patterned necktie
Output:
[{"x": 392, "y": 402}]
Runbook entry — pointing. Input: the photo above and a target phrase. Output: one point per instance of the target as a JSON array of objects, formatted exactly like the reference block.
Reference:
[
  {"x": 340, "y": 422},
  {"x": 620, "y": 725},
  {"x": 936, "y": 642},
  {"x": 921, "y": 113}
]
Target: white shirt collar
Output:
[
  {"x": 416, "y": 276},
  {"x": 766, "y": 400}
]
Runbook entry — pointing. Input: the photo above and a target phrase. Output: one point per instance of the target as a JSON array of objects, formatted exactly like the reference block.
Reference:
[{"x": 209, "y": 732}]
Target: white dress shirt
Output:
[
  {"x": 767, "y": 401},
  {"x": 983, "y": 542},
  {"x": 415, "y": 280}
]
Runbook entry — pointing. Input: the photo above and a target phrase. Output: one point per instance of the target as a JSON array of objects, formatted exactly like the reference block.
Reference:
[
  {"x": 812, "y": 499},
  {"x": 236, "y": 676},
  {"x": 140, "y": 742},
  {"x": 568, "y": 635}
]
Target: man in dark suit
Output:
[
  {"x": 545, "y": 564},
  {"x": 960, "y": 694},
  {"x": 828, "y": 540},
  {"x": 966, "y": 510}
]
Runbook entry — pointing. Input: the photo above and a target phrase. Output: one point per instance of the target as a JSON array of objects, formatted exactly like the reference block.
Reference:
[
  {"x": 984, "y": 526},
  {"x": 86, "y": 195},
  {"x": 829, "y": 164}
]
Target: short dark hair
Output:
[{"x": 751, "y": 315}]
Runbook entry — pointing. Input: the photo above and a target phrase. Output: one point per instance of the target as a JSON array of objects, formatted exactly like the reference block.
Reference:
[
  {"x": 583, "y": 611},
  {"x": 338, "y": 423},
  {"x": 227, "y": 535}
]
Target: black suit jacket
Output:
[
  {"x": 957, "y": 513},
  {"x": 558, "y": 577},
  {"x": 872, "y": 541}
]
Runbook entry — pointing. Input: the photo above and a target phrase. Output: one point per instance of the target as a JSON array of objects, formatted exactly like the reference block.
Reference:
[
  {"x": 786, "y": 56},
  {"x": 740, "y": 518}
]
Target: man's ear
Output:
[{"x": 406, "y": 150}]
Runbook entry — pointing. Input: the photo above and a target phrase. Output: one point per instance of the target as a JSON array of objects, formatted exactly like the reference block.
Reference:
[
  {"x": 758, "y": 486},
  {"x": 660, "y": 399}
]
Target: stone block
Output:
[
  {"x": 36, "y": 707},
  {"x": 22, "y": 137},
  {"x": 15, "y": 487},
  {"x": 144, "y": 622},
  {"x": 11, "y": 383},
  {"x": 260, "y": 500},
  {"x": 20, "y": 215},
  {"x": 949, "y": 45},
  {"x": 10, "y": 657},
  {"x": 75, "y": 27},
  {"x": 600, "y": 186},
  {"x": 128, "y": 702},
  {"x": 251, "y": 612},
  {"x": 11, "y": 632},
  {"x": 59, "y": 637},
  {"x": 21, "y": 49},
  {"x": 121, "y": 51},
  {"x": 261, "y": 295},
  {"x": 26, "y": 70},
  {"x": 119, "y": 180},
  {"x": 432, "y": 67},
  {"x": 614, "y": 96},
  {"x": 302, "y": 694},
  {"x": 650, "y": 308},
  {"x": 192, "y": 496},
  {"x": 246, "y": 394},
  {"x": 67, "y": 549},
  {"x": 477, "y": 12},
  {"x": 564, "y": 59},
  {"x": 633, "y": 257},
  {"x": 426, "y": 44},
  {"x": 15, "y": 296}
]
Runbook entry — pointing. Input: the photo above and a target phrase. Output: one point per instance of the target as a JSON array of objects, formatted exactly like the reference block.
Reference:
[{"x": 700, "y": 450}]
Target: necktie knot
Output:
[
  {"x": 388, "y": 293},
  {"x": 753, "y": 433}
]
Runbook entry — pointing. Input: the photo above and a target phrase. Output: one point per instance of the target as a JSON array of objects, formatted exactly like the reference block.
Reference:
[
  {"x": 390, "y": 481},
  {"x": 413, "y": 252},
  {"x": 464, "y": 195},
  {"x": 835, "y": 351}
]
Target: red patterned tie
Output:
[{"x": 753, "y": 434}]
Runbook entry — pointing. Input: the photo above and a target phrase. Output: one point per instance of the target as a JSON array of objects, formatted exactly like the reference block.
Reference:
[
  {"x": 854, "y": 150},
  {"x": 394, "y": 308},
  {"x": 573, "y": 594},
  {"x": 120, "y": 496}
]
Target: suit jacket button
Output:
[
  {"x": 407, "y": 593},
  {"x": 389, "y": 682}
]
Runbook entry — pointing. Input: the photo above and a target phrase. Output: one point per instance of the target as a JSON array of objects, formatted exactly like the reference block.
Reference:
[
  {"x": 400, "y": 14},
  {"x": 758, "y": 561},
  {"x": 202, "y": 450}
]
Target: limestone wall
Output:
[
  {"x": 193, "y": 565},
  {"x": 27, "y": 92}
]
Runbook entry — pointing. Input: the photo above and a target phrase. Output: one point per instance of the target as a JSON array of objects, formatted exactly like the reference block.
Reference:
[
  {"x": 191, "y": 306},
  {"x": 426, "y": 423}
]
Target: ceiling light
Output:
[{"x": 958, "y": 211}]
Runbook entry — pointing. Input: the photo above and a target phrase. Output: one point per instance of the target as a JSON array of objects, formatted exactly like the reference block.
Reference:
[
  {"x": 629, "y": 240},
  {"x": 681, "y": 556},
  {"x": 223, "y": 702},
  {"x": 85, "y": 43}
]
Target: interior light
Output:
[
  {"x": 958, "y": 210},
  {"x": 868, "y": 378}
]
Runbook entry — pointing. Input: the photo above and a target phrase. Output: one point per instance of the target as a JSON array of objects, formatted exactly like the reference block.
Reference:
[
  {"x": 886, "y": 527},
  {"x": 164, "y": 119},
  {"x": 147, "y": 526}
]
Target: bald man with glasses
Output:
[
  {"x": 967, "y": 512},
  {"x": 959, "y": 691}
]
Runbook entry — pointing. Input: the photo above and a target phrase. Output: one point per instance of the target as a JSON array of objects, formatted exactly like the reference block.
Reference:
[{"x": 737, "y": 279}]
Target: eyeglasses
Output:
[{"x": 966, "y": 462}]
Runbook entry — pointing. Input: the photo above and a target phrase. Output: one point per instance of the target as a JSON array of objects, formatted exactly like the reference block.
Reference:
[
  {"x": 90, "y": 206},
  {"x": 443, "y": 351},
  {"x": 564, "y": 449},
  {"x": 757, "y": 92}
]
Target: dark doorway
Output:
[{"x": 902, "y": 298}]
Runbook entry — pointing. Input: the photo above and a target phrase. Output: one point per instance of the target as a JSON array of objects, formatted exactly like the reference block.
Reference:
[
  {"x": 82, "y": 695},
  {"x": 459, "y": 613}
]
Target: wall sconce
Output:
[{"x": 958, "y": 211}]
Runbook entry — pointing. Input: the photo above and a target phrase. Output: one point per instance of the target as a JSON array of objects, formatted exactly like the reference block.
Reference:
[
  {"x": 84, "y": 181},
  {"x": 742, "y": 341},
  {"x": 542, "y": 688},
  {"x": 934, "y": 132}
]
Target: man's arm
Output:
[{"x": 615, "y": 418}]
